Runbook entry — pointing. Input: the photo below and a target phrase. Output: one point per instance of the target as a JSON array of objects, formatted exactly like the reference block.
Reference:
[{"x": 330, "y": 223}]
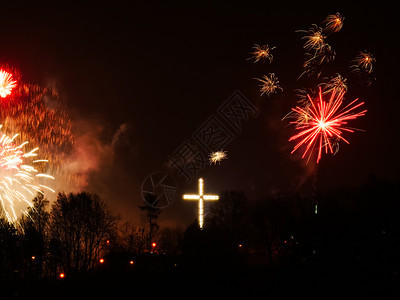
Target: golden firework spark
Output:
[
  {"x": 334, "y": 23},
  {"x": 262, "y": 53},
  {"x": 270, "y": 84},
  {"x": 217, "y": 157},
  {"x": 314, "y": 39},
  {"x": 363, "y": 62}
]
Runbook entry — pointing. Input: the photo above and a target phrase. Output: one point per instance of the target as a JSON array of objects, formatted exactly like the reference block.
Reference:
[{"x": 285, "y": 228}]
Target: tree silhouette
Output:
[
  {"x": 231, "y": 215},
  {"x": 80, "y": 226},
  {"x": 9, "y": 247},
  {"x": 35, "y": 227}
]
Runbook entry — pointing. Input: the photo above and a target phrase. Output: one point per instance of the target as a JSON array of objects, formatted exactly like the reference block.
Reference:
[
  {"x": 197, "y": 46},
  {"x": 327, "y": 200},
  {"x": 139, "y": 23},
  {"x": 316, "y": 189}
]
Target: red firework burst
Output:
[{"x": 321, "y": 124}]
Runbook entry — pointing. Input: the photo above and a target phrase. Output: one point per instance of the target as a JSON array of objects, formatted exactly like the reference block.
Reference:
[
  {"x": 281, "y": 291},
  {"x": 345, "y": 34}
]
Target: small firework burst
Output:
[
  {"x": 270, "y": 84},
  {"x": 334, "y": 23},
  {"x": 337, "y": 83},
  {"x": 262, "y": 53},
  {"x": 6, "y": 83},
  {"x": 217, "y": 157},
  {"x": 363, "y": 62},
  {"x": 314, "y": 39}
]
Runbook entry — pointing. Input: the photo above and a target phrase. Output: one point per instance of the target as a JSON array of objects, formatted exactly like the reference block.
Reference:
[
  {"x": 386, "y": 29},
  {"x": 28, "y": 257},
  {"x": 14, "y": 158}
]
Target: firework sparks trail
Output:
[
  {"x": 20, "y": 179},
  {"x": 314, "y": 39},
  {"x": 217, "y": 157},
  {"x": 262, "y": 53},
  {"x": 318, "y": 51},
  {"x": 321, "y": 124},
  {"x": 324, "y": 54},
  {"x": 334, "y": 23},
  {"x": 270, "y": 84},
  {"x": 6, "y": 83},
  {"x": 313, "y": 61},
  {"x": 363, "y": 62},
  {"x": 337, "y": 83}
]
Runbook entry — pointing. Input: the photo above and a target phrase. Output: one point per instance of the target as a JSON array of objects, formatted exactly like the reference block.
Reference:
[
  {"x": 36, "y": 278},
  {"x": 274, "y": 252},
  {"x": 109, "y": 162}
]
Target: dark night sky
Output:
[{"x": 162, "y": 69}]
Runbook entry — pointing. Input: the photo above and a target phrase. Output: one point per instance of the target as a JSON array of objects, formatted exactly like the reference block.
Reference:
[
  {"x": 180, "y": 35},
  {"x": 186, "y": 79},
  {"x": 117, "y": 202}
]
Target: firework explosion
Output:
[
  {"x": 270, "y": 84},
  {"x": 334, "y": 23},
  {"x": 6, "y": 83},
  {"x": 262, "y": 53},
  {"x": 217, "y": 157},
  {"x": 34, "y": 112},
  {"x": 363, "y": 62},
  {"x": 20, "y": 179},
  {"x": 314, "y": 39},
  {"x": 318, "y": 51},
  {"x": 321, "y": 124},
  {"x": 48, "y": 128}
]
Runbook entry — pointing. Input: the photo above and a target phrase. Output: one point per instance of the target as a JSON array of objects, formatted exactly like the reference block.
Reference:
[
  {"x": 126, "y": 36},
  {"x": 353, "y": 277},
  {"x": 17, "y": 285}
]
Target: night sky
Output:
[{"x": 137, "y": 80}]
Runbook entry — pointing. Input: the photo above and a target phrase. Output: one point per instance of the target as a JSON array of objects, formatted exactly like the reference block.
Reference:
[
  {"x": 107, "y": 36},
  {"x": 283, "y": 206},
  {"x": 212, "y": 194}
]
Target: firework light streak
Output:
[
  {"x": 6, "y": 83},
  {"x": 217, "y": 157},
  {"x": 20, "y": 179},
  {"x": 262, "y": 53},
  {"x": 321, "y": 124},
  {"x": 270, "y": 84}
]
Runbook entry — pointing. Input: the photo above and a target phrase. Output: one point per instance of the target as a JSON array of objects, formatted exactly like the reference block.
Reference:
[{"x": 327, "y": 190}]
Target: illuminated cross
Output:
[{"x": 201, "y": 197}]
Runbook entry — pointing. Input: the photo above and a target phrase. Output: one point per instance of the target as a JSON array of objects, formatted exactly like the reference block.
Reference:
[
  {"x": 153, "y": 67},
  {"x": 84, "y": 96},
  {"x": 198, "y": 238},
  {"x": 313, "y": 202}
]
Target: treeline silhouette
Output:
[{"x": 248, "y": 247}]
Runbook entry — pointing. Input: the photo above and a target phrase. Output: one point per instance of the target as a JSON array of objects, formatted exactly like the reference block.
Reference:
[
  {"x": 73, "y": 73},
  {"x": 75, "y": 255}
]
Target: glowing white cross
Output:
[{"x": 201, "y": 197}]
